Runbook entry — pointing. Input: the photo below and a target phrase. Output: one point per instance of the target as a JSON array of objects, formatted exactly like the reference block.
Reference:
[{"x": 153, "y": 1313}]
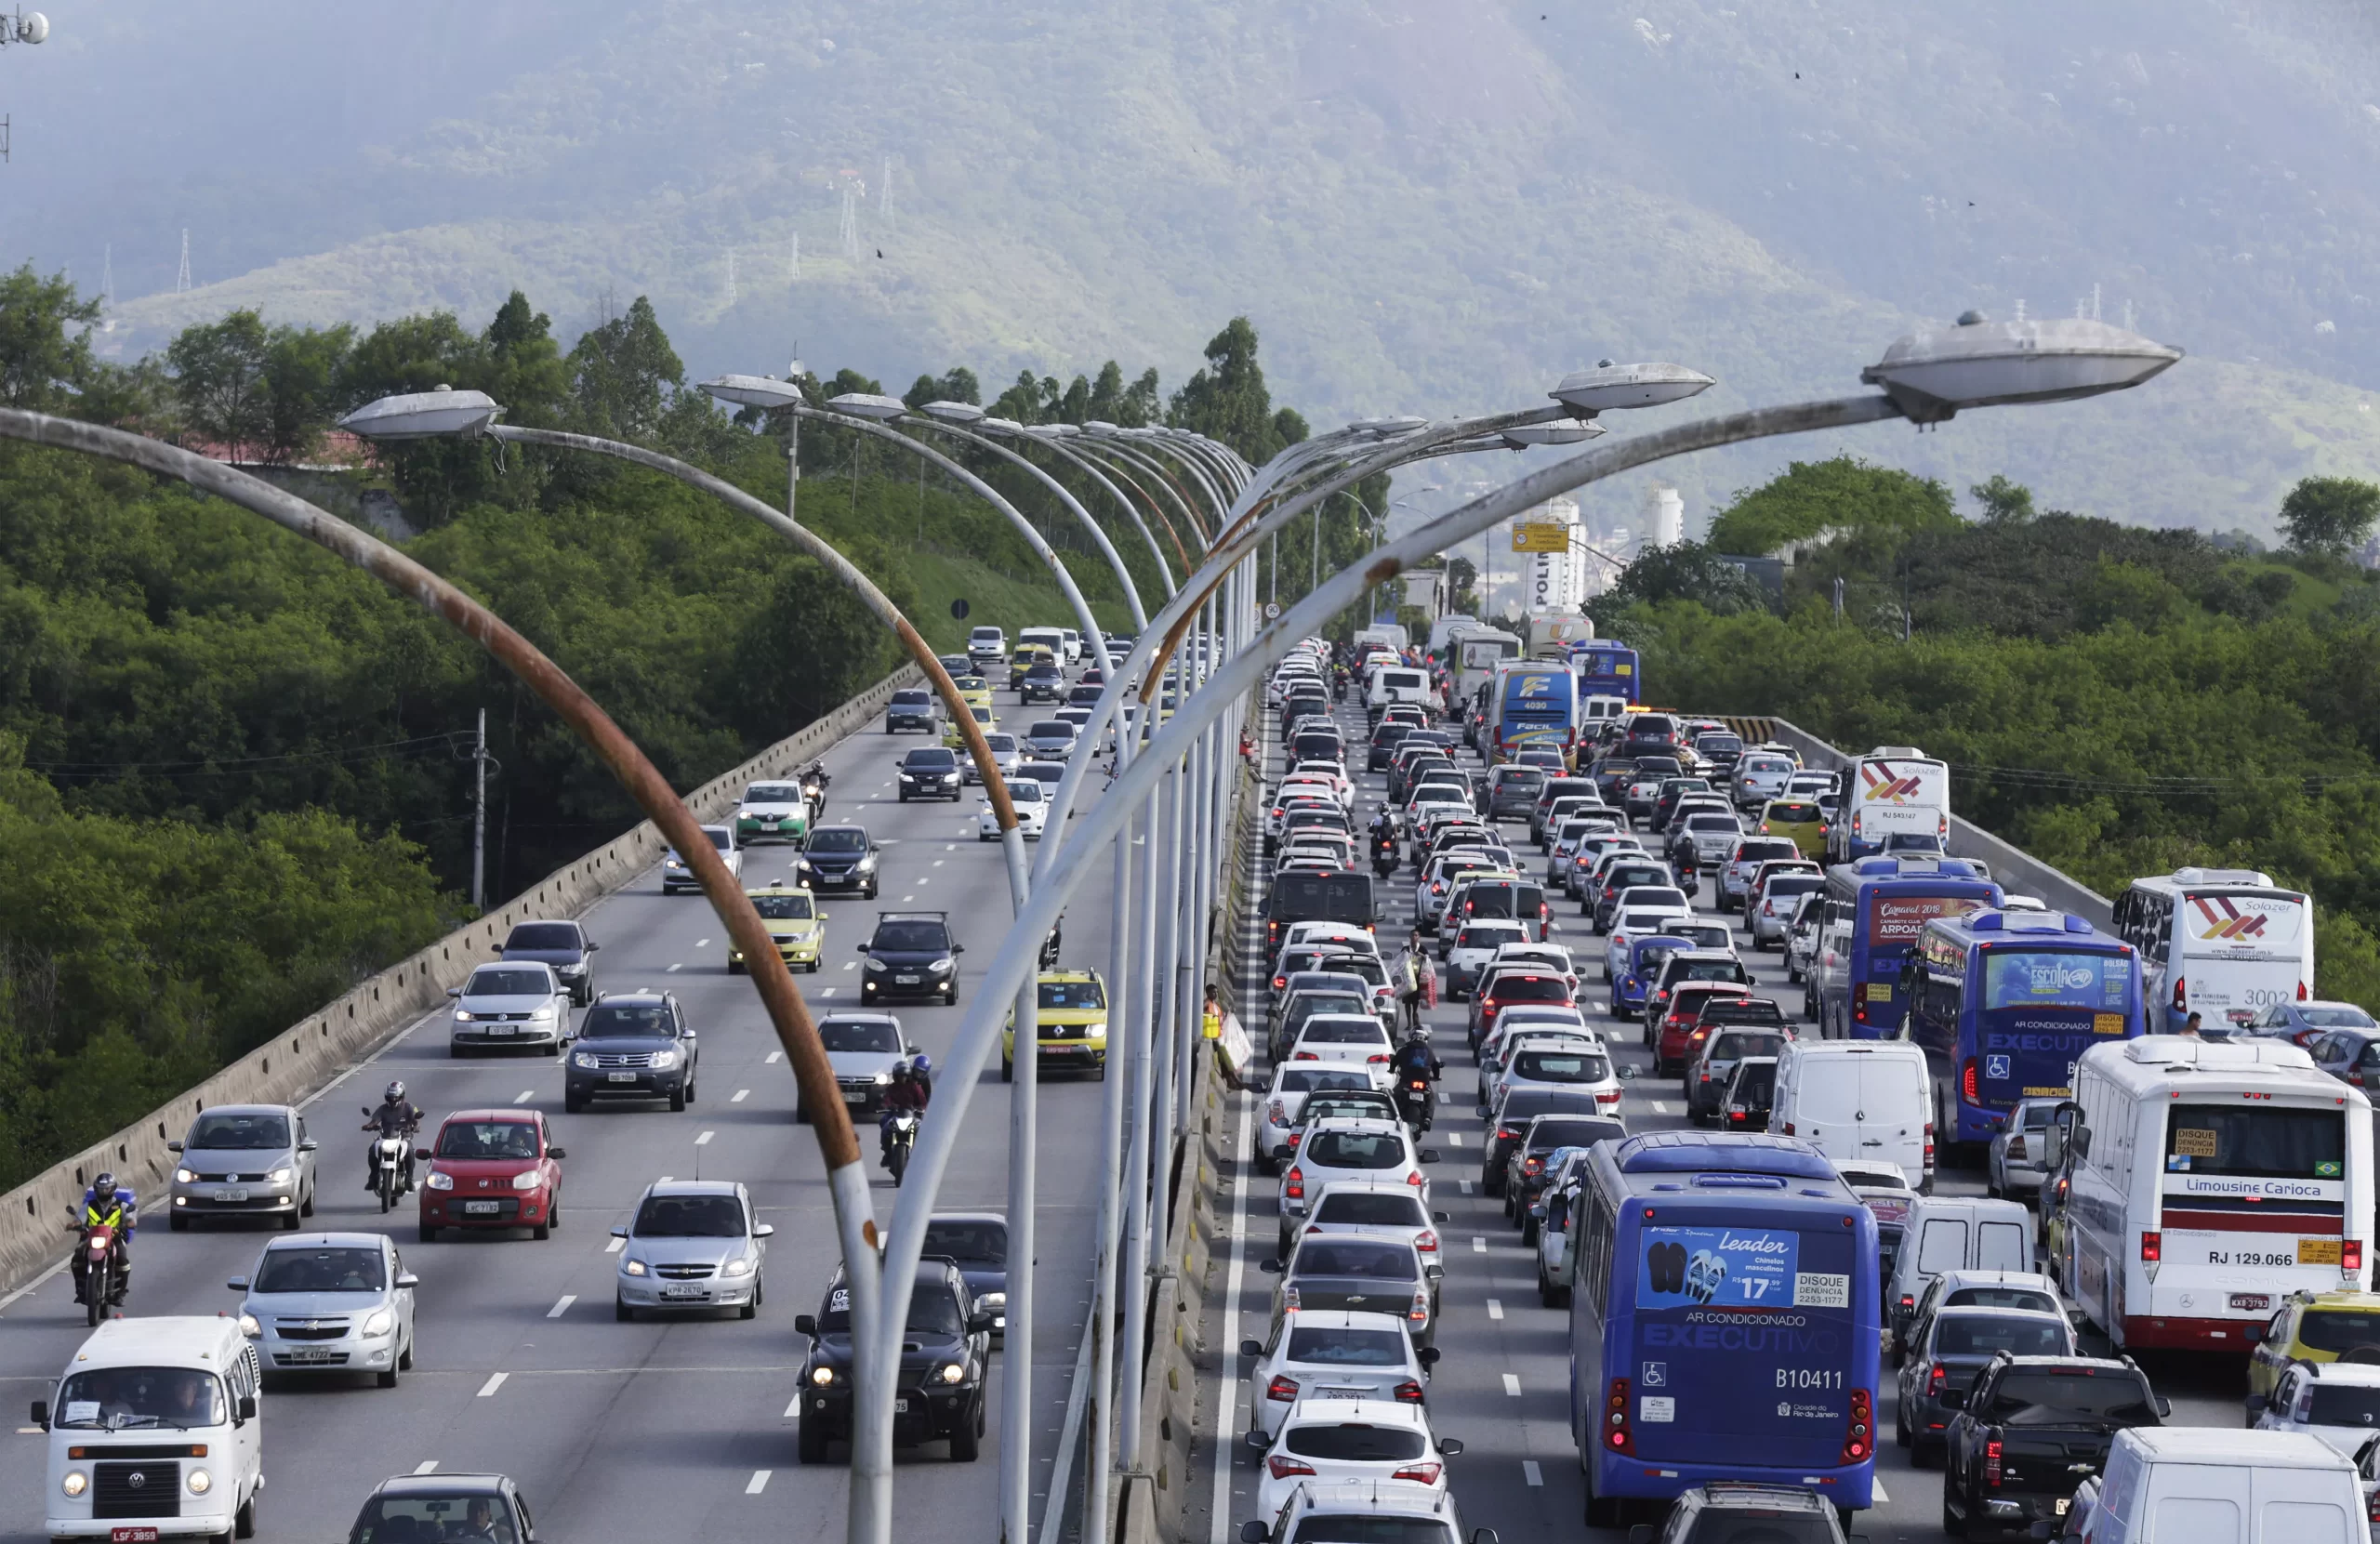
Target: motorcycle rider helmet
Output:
[
  {"x": 104, "y": 1185},
  {"x": 394, "y": 1094},
  {"x": 923, "y": 1062},
  {"x": 900, "y": 1072}
]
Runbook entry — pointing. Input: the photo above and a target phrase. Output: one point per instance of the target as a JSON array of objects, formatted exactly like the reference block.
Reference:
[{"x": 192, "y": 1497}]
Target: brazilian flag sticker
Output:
[{"x": 2329, "y": 1170}]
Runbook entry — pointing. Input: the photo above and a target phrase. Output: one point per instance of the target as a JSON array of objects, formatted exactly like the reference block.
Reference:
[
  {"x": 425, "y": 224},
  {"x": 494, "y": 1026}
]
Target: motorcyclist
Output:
[
  {"x": 905, "y": 1094},
  {"x": 921, "y": 1072},
  {"x": 109, "y": 1204},
  {"x": 1415, "y": 1059},
  {"x": 397, "y": 1116}
]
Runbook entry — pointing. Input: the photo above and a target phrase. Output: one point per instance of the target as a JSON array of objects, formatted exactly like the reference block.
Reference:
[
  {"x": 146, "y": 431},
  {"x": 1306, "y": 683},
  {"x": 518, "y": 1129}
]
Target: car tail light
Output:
[
  {"x": 1426, "y": 1242},
  {"x": 1420, "y": 1312},
  {"x": 1967, "y": 1075},
  {"x": 1413, "y": 1178},
  {"x": 1533, "y": 1166},
  {"x": 2152, "y": 1246},
  {"x": 1277, "y": 1114},
  {"x": 1282, "y": 1466},
  {"x": 1293, "y": 1185},
  {"x": 1908, "y": 1302},
  {"x": 1283, "y": 1389},
  {"x": 1507, "y": 1133},
  {"x": 1736, "y": 1115},
  {"x": 1305, "y": 1056},
  {"x": 1607, "y": 1096},
  {"x": 1615, "y": 1418},
  {"x": 1409, "y": 1392},
  {"x": 1859, "y": 1442},
  {"x": 1992, "y": 1462},
  {"x": 2352, "y": 1254},
  {"x": 1296, "y": 1137},
  {"x": 1930, "y": 1146},
  {"x": 1427, "y": 1473},
  {"x": 2301, "y": 991},
  {"x": 1859, "y": 1002},
  {"x": 1279, "y": 982}
]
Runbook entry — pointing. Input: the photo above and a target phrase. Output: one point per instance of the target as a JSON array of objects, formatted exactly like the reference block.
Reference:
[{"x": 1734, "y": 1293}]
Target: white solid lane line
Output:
[
  {"x": 558, "y": 1310},
  {"x": 495, "y": 1381}
]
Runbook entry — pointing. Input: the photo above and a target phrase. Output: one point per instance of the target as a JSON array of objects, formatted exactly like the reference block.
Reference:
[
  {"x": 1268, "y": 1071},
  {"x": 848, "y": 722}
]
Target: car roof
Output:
[
  {"x": 693, "y": 1187},
  {"x": 1357, "y": 1412},
  {"x": 496, "y": 1113},
  {"x": 250, "y": 1110},
  {"x": 641, "y": 995},
  {"x": 1750, "y": 1494},
  {"x": 1347, "y": 1318},
  {"x": 2362, "y": 1375},
  {"x": 440, "y": 1483},
  {"x": 327, "y": 1241}
]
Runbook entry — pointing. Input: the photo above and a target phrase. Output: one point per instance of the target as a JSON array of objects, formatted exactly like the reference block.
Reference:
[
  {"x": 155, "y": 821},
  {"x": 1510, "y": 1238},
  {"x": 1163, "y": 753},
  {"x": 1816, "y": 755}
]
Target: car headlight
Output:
[
  {"x": 736, "y": 1267},
  {"x": 545, "y": 1013},
  {"x": 279, "y": 1177},
  {"x": 438, "y": 1181},
  {"x": 673, "y": 863},
  {"x": 876, "y": 965},
  {"x": 632, "y": 1268},
  {"x": 249, "y": 1326},
  {"x": 664, "y": 1060},
  {"x": 882, "y": 1078},
  {"x": 381, "y": 1322},
  {"x": 528, "y": 1179},
  {"x": 950, "y": 777},
  {"x": 939, "y": 966},
  {"x": 184, "y": 1177},
  {"x": 868, "y": 862},
  {"x": 1095, "y": 1031},
  {"x": 821, "y": 1376},
  {"x": 952, "y": 1372},
  {"x": 200, "y": 1482},
  {"x": 801, "y": 863},
  {"x": 462, "y": 1015},
  {"x": 583, "y": 1058},
  {"x": 76, "y": 1482},
  {"x": 992, "y": 1299}
]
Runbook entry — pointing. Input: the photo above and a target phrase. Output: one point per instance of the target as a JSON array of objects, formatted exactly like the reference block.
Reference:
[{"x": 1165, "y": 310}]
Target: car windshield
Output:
[
  {"x": 1326, "y": 1256},
  {"x": 1707, "y": 970},
  {"x": 1350, "y": 1443},
  {"x": 1371, "y": 1208},
  {"x": 1552, "y": 1066},
  {"x": 2030, "y": 1299},
  {"x": 1345, "y": 1030},
  {"x": 910, "y": 936},
  {"x": 488, "y": 1139},
  {"x": 835, "y": 838},
  {"x": 319, "y": 1270},
  {"x": 630, "y": 1019},
  {"x": 1317, "y": 1527},
  {"x": 2337, "y": 1017},
  {"x": 1735, "y": 1048},
  {"x": 929, "y": 761},
  {"x": 1987, "y": 1335},
  {"x": 1306, "y": 1080},
  {"x": 1356, "y": 1149},
  {"x": 1026, "y": 792},
  {"x": 1530, "y": 988},
  {"x": 495, "y": 981},
  {"x": 222, "y": 1131},
  {"x": 2338, "y": 1331},
  {"x": 1348, "y": 1348},
  {"x": 112, "y": 1398},
  {"x": 1755, "y": 1082},
  {"x": 690, "y": 1216},
  {"x": 1353, "y": 1104},
  {"x": 860, "y": 1034},
  {"x": 971, "y": 1241},
  {"x": 912, "y": 699},
  {"x": 721, "y": 837},
  {"x": 773, "y": 793},
  {"x": 932, "y": 1311},
  {"x": 785, "y": 908},
  {"x": 543, "y": 935},
  {"x": 414, "y": 1518},
  {"x": 2059, "y": 1396},
  {"x": 2345, "y": 1404},
  {"x": 1073, "y": 994},
  {"x": 1547, "y": 1135}
]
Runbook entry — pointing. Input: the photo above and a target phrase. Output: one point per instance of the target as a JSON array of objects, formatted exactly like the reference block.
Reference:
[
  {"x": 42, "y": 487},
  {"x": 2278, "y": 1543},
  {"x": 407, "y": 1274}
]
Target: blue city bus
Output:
[
  {"x": 1534, "y": 705},
  {"x": 1605, "y": 670},
  {"x": 1724, "y": 1321},
  {"x": 1876, "y": 909},
  {"x": 2005, "y": 1002}
]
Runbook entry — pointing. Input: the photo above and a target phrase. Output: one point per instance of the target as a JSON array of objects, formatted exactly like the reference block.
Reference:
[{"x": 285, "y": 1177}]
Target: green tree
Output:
[
  {"x": 219, "y": 375},
  {"x": 621, "y": 371},
  {"x": 2003, "y": 502},
  {"x": 2330, "y": 516},
  {"x": 1688, "y": 570},
  {"x": 1844, "y": 493},
  {"x": 45, "y": 342},
  {"x": 1228, "y": 400},
  {"x": 302, "y": 372}
]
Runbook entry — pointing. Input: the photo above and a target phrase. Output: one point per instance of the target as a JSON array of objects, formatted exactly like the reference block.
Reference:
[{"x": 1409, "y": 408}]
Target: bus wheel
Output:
[{"x": 1601, "y": 1514}]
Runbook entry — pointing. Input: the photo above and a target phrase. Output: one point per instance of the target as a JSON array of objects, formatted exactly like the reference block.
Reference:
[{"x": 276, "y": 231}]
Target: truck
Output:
[
  {"x": 1552, "y": 634},
  {"x": 1892, "y": 791},
  {"x": 1473, "y": 655}
]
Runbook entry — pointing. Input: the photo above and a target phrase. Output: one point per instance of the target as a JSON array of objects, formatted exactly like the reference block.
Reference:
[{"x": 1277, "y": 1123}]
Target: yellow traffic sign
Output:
[{"x": 1540, "y": 536}]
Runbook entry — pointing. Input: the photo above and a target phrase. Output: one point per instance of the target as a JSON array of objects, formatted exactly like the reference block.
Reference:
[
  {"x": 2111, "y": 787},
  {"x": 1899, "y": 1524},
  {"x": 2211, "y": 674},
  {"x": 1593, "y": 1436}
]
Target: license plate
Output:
[
  {"x": 478, "y": 1208},
  {"x": 230, "y": 1196},
  {"x": 1342, "y": 1394},
  {"x": 2317, "y": 1251},
  {"x": 900, "y": 1408},
  {"x": 501, "y": 1029},
  {"x": 851, "y": 1098},
  {"x": 905, "y": 981},
  {"x": 622, "y": 1077},
  {"x": 2064, "y": 1502},
  {"x": 132, "y": 1535},
  {"x": 680, "y": 1292},
  {"x": 313, "y": 1353},
  {"x": 2251, "y": 1303}
]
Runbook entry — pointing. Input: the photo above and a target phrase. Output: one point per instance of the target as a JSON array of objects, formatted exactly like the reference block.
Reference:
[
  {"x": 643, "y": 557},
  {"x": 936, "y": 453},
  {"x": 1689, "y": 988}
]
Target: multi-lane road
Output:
[
  {"x": 1502, "y": 1386},
  {"x": 654, "y": 1430}
]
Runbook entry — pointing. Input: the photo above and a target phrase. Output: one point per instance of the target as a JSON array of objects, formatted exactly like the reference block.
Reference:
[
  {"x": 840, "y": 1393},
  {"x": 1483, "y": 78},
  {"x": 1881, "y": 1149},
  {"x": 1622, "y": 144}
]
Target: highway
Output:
[
  {"x": 652, "y": 1429},
  {"x": 1502, "y": 1386}
]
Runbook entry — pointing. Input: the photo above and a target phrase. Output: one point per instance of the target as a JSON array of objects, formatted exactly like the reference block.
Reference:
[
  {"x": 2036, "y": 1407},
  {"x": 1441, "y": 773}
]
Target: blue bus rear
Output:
[
  {"x": 1605, "y": 671},
  {"x": 2004, "y": 1004},
  {"x": 1877, "y": 909},
  {"x": 1538, "y": 710},
  {"x": 1724, "y": 1321}
]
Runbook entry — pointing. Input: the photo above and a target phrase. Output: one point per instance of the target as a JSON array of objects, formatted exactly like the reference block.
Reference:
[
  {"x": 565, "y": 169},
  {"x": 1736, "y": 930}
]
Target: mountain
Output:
[{"x": 1426, "y": 206}]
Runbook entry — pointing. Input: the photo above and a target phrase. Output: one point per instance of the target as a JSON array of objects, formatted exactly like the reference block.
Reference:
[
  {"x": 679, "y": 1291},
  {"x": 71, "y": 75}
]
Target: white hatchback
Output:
[
  {"x": 1333, "y": 1353},
  {"x": 1323, "y": 1440},
  {"x": 1032, "y": 807},
  {"x": 1380, "y": 1151}
]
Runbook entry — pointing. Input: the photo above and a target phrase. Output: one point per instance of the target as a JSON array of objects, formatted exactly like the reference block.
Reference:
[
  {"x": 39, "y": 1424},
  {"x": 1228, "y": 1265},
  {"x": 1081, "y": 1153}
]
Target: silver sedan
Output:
[
  {"x": 337, "y": 1302},
  {"x": 693, "y": 1243}
]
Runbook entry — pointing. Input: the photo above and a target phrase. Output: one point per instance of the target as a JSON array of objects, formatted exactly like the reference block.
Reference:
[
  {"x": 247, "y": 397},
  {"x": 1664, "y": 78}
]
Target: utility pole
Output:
[{"x": 479, "y": 816}]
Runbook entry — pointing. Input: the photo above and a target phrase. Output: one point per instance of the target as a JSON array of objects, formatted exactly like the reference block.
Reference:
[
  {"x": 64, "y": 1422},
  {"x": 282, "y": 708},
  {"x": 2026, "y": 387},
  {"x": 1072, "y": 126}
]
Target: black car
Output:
[
  {"x": 1314, "y": 744},
  {"x": 1385, "y": 741},
  {"x": 1043, "y": 683},
  {"x": 931, "y": 771},
  {"x": 1521, "y": 1106},
  {"x": 2032, "y": 1430},
  {"x": 837, "y": 857},
  {"x": 945, "y": 1350},
  {"x": 1750, "y": 1095},
  {"x": 445, "y": 1506},
  {"x": 977, "y": 1243},
  {"x": 911, "y": 707},
  {"x": 1082, "y": 694},
  {"x": 1358, "y": 1273},
  {"x": 631, "y": 1045},
  {"x": 1511, "y": 792},
  {"x": 910, "y": 955},
  {"x": 1525, "y": 1168},
  {"x": 563, "y": 945}
]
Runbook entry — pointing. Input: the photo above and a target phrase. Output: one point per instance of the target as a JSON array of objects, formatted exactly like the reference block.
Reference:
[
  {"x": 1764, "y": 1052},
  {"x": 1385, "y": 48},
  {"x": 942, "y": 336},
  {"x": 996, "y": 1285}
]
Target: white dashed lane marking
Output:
[
  {"x": 739, "y": 1096},
  {"x": 759, "y": 1482},
  {"x": 615, "y": 1246},
  {"x": 558, "y": 1310},
  {"x": 525, "y": 1096},
  {"x": 773, "y": 1058},
  {"x": 1512, "y": 1385},
  {"x": 703, "y": 1140},
  {"x": 1478, "y": 1245},
  {"x": 1530, "y": 1473},
  {"x": 426, "y": 1466},
  {"x": 1495, "y": 1308},
  {"x": 495, "y": 1381}
]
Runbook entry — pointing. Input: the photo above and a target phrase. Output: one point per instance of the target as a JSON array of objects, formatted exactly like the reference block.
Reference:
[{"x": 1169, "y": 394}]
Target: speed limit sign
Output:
[{"x": 1272, "y": 610}]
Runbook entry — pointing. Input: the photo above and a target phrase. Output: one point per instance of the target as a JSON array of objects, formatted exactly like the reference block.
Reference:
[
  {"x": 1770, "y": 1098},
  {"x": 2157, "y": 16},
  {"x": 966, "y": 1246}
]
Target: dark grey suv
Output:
[
  {"x": 563, "y": 945},
  {"x": 633, "y": 1045},
  {"x": 910, "y": 708},
  {"x": 931, "y": 771}
]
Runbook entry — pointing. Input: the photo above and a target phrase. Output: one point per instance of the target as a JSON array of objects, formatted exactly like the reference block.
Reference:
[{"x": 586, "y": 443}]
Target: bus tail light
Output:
[
  {"x": 1967, "y": 1089},
  {"x": 2152, "y": 1250},
  {"x": 1282, "y": 1388},
  {"x": 2181, "y": 993},
  {"x": 1615, "y": 1419},
  {"x": 1859, "y": 1442},
  {"x": 1859, "y": 1002},
  {"x": 1992, "y": 1462},
  {"x": 2352, "y": 1254}
]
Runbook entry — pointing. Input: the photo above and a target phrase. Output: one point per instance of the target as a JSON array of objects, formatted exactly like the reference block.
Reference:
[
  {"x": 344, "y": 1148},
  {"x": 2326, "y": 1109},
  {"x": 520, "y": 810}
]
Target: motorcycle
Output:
[
  {"x": 813, "y": 792},
  {"x": 905, "y": 1137},
  {"x": 1384, "y": 857},
  {"x": 102, "y": 1285},
  {"x": 392, "y": 1166},
  {"x": 1416, "y": 1104}
]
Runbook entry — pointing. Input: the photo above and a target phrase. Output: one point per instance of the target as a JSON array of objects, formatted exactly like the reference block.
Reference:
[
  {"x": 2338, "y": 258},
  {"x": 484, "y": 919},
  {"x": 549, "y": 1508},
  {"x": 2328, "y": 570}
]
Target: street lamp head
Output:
[
  {"x": 756, "y": 392},
  {"x": 1559, "y": 431},
  {"x": 1061, "y": 432},
  {"x": 1978, "y": 363},
  {"x": 1402, "y": 424},
  {"x": 1001, "y": 426},
  {"x": 867, "y": 405},
  {"x": 423, "y": 415},
  {"x": 1098, "y": 426},
  {"x": 1608, "y": 386},
  {"x": 954, "y": 413}
]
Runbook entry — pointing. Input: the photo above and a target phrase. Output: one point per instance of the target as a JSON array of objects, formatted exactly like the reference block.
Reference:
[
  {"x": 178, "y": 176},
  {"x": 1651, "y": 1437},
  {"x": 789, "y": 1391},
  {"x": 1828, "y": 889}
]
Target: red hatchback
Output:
[
  {"x": 492, "y": 1169},
  {"x": 1674, "y": 1029}
]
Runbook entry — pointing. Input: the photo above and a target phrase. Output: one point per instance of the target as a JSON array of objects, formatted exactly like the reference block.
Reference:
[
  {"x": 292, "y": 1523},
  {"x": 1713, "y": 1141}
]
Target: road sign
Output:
[
  {"x": 1540, "y": 536},
  {"x": 959, "y": 610},
  {"x": 1272, "y": 610}
]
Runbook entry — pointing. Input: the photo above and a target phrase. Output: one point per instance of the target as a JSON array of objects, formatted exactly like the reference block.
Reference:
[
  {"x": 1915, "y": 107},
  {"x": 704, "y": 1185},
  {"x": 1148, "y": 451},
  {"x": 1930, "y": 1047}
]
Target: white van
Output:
[
  {"x": 986, "y": 643},
  {"x": 154, "y": 1433},
  {"x": 1394, "y": 684},
  {"x": 1955, "y": 1233},
  {"x": 2196, "y": 1485},
  {"x": 1054, "y": 639},
  {"x": 1074, "y": 645},
  {"x": 1859, "y": 1098}
]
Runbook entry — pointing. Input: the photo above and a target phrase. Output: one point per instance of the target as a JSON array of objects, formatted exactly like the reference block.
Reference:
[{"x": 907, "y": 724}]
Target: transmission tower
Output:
[
  {"x": 884, "y": 207},
  {"x": 731, "y": 276},
  {"x": 182, "y": 277},
  {"x": 793, "y": 259},
  {"x": 850, "y": 222}
]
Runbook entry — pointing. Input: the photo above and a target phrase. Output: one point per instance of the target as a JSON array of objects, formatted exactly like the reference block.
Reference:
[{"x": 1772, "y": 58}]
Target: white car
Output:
[
  {"x": 2337, "y": 1402},
  {"x": 1344, "y": 1148},
  {"x": 1285, "y": 1102},
  {"x": 1574, "y": 1068},
  {"x": 1007, "y": 755},
  {"x": 1047, "y": 774},
  {"x": 1497, "y": 1052},
  {"x": 1352, "y": 1439},
  {"x": 1333, "y": 1353},
  {"x": 1759, "y": 777},
  {"x": 1339, "y": 1509},
  {"x": 771, "y": 811},
  {"x": 676, "y": 876},
  {"x": 1032, "y": 805},
  {"x": 1382, "y": 1209},
  {"x": 1345, "y": 934},
  {"x": 332, "y": 1302},
  {"x": 506, "y": 1005},
  {"x": 1547, "y": 958},
  {"x": 1346, "y": 1040},
  {"x": 1330, "y": 773},
  {"x": 1473, "y": 944}
]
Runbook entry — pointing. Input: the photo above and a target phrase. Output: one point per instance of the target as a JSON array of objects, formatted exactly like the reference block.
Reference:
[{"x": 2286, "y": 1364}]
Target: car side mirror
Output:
[
  {"x": 765, "y": 1230},
  {"x": 1487, "y": 1536},
  {"x": 173, "y": 1147},
  {"x": 237, "y": 1284},
  {"x": 247, "y": 1410},
  {"x": 1428, "y": 1356},
  {"x": 1450, "y": 1447},
  {"x": 619, "y": 1233},
  {"x": 309, "y": 1145},
  {"x": 1270, "y": 1267},
  {"x": 556, "y": 1154},
  {"x": 806, "y": 1323},
  {"x": 454, "y": 991},
  {"x": 592, "y": 947},
  {"x": 41, "y": 1414},
  {"x": 421, "y": 1155},
  {"x": 1255, "y": 1531},
  {"x": 2165, "y": 1407},
  {"x": 1442, "y": 1217},
  {"x": 1429, "y": 1155},
  {"x": 958, "y": 948},
  {"x": 981, "y": 1322},
  {"x": 1641, "y": 1532},
  {"x": 1628, "y": 1075},
  {"x": 406, "y": 1278},
  {"x": 1251, "y": 1348},
  {"x": 859, "y": 948}
]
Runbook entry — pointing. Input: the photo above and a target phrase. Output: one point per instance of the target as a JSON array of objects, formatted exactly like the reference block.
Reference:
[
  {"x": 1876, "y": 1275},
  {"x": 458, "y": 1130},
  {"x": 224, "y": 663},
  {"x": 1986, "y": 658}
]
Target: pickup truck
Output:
[{"x": 2028, "y": 1432}]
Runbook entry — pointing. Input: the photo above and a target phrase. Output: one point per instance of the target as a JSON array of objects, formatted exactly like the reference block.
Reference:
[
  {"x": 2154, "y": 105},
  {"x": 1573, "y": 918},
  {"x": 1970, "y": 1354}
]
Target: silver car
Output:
[
  {"x": 693, "y": 1243},
  {"x": 507, "y": 1006},
  {"x": 677, "y": 876},
  {"x": 863, "y": 1046},
  {"x": 330, "y": 1303},
  {"x": 2014, "y": 1164},
  {"x": 1008, "y": 754},
  {"x": 243, "y": 1160}
]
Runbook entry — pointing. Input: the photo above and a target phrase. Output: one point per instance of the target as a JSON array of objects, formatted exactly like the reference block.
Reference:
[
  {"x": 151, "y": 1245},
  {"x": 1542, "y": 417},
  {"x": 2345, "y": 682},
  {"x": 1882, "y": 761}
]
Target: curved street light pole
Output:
[
  {"x": 1164, "y": 477},
  {"x": 1092, "y": 469}
]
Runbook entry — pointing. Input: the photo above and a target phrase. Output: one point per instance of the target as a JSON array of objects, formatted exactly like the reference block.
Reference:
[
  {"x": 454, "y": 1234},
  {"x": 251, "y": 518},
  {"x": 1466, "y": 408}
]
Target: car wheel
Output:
[
  {"x": 904, "y": 796},
  {"x": 306, "y": 1207},
  {"x": 749, "y": 1309},
  {"x": 457, "y": 1052},
  {"x": 734, "y": 966},
  {"x": 967, "y": 1441},
  {"x": 572, "y": 1104},
  {"x": 428, "y": 1234},
  {"x": 386, "y": 1377},
  {"x": 289, "y": 1220},
  {"x": 176, "y": 1223},
  {"x": 541, "y": 1232},
  {"x": 678, "y": 1097},
  {"x": 1008, "y": 1070},
  {"x": 621, "y": 1311},
  {"x": 811, "y": 1446},
  {"x": 243, "y": 1521},
  {"x": 1952, "y": 1524},
  {"x": 404, "y": 1357}
]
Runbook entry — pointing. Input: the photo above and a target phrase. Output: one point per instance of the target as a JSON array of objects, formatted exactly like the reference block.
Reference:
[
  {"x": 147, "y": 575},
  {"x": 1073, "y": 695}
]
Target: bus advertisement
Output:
[
  {"x": 1724, "y": 1321},
  {"x": 1535, "y": 707},
  {"x": 1607, "y": 669},
  {"x": 1876, "y": 910},
  {"x": 2005, "y": 1003},
  {"x": 1892, "y": 791}
]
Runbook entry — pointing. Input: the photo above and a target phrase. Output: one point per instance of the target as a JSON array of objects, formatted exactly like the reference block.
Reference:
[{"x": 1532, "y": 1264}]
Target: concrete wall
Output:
[{"x": 302, "y": 1059}]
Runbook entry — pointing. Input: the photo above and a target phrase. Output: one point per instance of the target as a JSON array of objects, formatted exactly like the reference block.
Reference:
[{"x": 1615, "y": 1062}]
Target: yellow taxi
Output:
[
  {"x": 957, "y": 742},
  {"x": 1800, "y": 819},
  {"x": 795, "y": 922},
  {"x": 974, "y": 690},
  {"x": 1027, "y": 655},
  {"x": 1073, "y": 1018},
  {"x": 2312, "y": 1327}
]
